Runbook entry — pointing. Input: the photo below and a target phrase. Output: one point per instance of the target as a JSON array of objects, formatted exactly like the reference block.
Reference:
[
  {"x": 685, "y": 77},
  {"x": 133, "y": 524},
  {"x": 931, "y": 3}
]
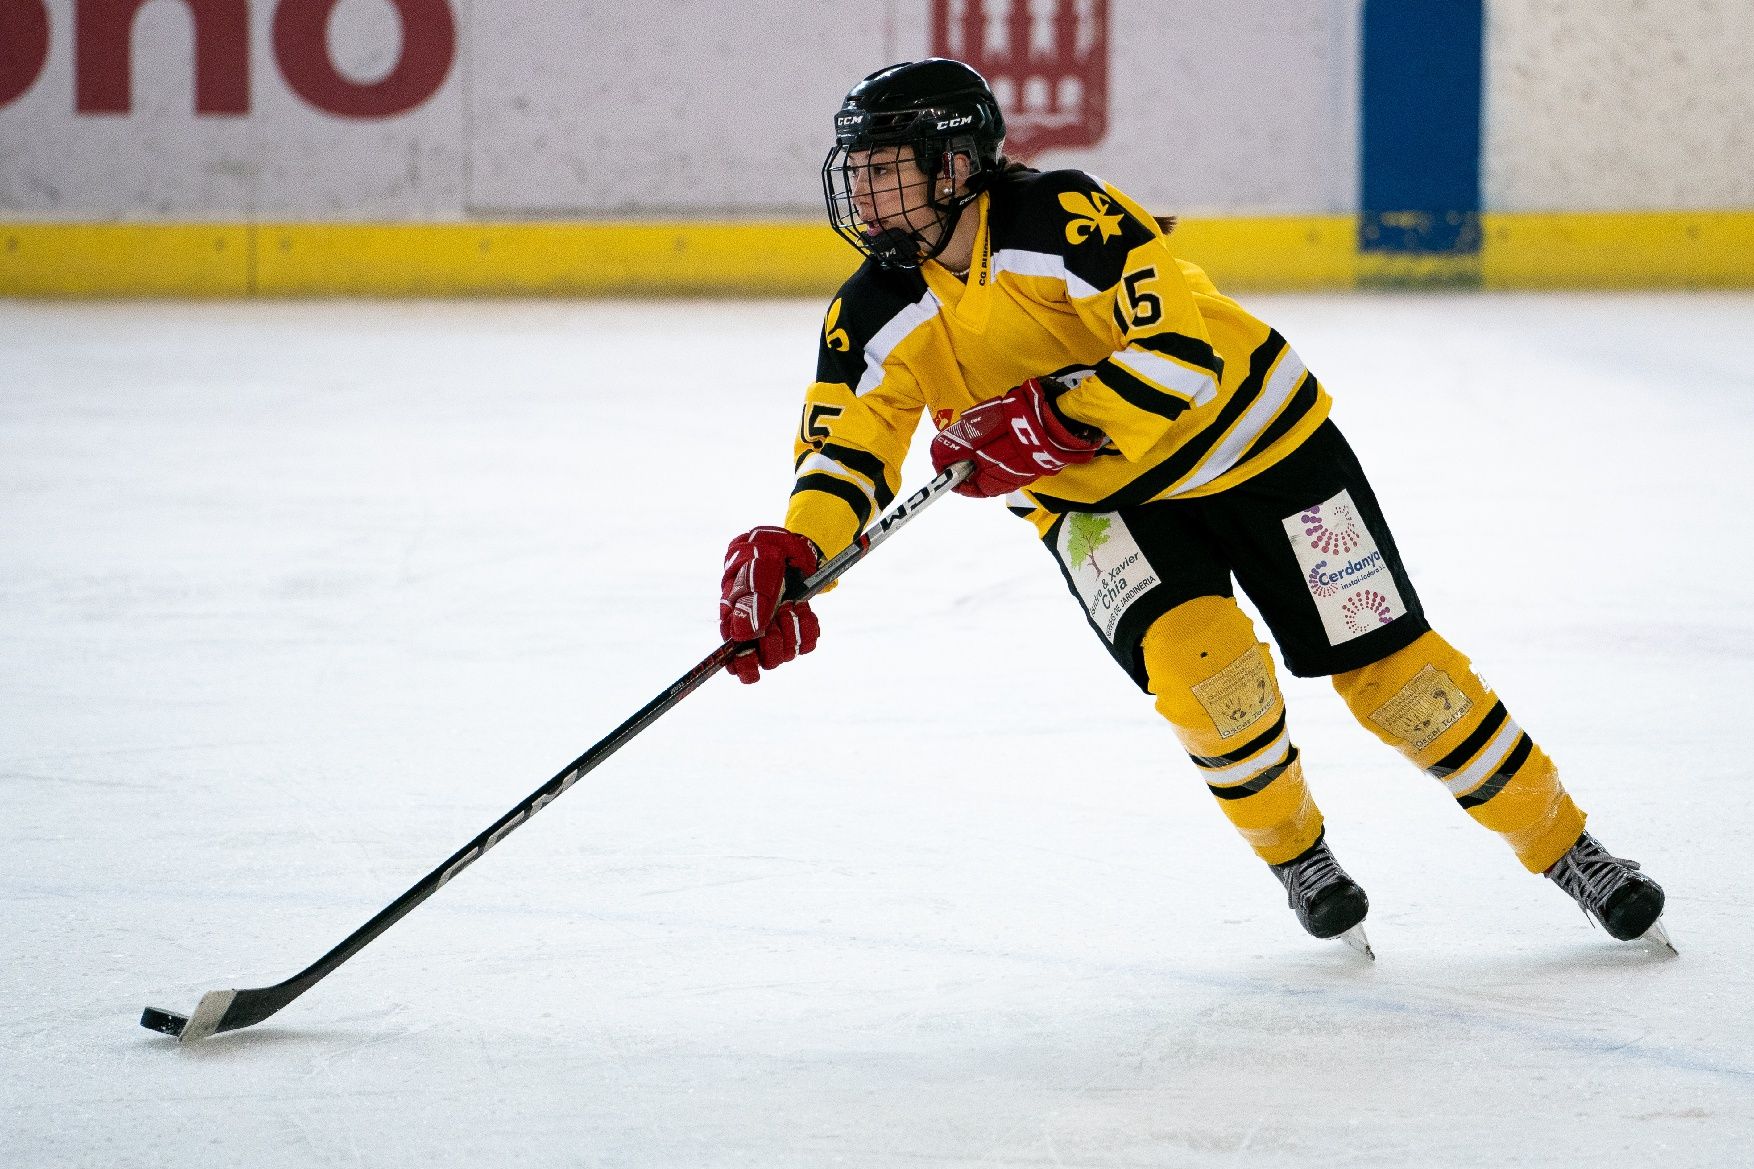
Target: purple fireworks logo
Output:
[
  {"x": 1361, "y": 606},
  {"x": 1336, "y": 533},
  {"x": 1318, "y": 586}
]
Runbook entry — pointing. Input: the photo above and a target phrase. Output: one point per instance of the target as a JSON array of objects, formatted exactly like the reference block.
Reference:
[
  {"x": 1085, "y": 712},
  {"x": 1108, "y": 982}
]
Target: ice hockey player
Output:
[{"x": 1162, "y": 441}]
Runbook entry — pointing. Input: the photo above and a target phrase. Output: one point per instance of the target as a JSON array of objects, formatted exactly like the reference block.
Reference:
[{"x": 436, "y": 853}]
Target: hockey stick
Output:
[{"x": 227, "y": 1010}]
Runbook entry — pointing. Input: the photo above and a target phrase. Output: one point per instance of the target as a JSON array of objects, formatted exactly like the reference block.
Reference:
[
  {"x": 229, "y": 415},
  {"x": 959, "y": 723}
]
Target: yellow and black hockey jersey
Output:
[{"x": 1070, "y": 278}]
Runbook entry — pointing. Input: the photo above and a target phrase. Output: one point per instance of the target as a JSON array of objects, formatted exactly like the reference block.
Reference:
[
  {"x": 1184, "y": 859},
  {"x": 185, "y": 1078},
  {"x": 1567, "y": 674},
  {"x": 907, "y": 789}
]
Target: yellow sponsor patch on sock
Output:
[
  {"x": 1238, "y": 695},
  {"x": 1423, "y": 709}
]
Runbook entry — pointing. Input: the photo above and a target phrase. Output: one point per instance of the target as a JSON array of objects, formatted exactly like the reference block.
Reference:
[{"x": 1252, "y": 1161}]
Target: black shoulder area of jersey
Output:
[
  {"x": 871, "y": 298},
  {"x": 1065, "y": 213}
]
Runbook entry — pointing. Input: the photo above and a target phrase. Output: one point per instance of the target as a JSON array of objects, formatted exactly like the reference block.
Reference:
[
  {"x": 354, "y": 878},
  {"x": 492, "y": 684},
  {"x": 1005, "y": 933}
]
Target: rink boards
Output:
[
  {"x": 412, "y": 147},
  {"x": 1653, "y": 249}
]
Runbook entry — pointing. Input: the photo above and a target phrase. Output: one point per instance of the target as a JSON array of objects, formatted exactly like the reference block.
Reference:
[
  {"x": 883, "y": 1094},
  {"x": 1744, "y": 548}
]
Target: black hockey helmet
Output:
[{"x": 938, "y": 107}]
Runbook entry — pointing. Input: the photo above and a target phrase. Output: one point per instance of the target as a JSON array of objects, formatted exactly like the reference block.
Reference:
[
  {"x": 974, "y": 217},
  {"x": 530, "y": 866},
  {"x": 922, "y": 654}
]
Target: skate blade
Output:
[
  {"x": 1657, "y": 935},
  {"x": 1355, "y": 938}
]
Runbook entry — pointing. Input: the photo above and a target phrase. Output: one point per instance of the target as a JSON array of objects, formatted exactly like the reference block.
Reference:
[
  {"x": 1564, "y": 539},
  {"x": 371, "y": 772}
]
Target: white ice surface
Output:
[{"x": 295, "y": 599}]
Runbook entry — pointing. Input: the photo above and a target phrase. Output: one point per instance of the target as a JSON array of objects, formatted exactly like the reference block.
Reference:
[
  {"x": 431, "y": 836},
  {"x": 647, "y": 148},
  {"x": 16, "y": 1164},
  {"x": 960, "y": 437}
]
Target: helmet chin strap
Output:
[
  {"x": 895, "y": 248},
  {"x": 908, "y": 249}
]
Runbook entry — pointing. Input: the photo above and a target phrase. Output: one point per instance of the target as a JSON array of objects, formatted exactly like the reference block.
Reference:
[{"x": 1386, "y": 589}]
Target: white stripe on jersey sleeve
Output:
[
  {"x": 881, "y": 345},
  {"x": 1281, "y": 384},
  {"x": 833, "y": 466},
  {"x": 1196, "y": 385}
]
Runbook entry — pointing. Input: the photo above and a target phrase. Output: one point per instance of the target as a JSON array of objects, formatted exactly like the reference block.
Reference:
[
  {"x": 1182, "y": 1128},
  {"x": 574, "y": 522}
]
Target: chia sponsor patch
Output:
[
  {"x": 1107, "y": 567},
  {"x": 1344, "y": 569}
]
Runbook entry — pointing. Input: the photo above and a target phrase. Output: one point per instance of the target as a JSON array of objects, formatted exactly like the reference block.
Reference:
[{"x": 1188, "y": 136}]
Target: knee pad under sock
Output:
[
  {"x": 1427, "y": 702},
  {"x": 1214, "y": 683}
]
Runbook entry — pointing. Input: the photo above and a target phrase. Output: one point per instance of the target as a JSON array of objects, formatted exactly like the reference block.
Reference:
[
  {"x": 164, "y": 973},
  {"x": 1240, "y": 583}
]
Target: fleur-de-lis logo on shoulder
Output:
[
  {"x": 837, "y": 338},
  {"x": 1090, "y": 213}
]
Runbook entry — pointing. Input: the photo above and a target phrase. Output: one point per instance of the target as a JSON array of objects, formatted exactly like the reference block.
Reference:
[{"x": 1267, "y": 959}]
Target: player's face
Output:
[{"x": 891, "y": 193}]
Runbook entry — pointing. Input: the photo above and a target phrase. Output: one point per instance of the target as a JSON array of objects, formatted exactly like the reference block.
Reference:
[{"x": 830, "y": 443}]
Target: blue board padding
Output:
[{"x": 1419, "y": 149}]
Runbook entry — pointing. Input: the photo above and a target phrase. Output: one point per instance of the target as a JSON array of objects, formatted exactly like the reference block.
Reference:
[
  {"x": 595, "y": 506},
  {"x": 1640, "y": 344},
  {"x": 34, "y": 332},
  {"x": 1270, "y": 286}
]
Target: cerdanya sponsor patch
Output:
[{"x": 1353, "y": 589}]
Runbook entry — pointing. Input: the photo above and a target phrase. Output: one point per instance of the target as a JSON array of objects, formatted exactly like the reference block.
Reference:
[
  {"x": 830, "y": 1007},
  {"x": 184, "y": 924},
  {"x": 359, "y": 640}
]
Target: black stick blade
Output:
[{"x": 164, "y": 1022}]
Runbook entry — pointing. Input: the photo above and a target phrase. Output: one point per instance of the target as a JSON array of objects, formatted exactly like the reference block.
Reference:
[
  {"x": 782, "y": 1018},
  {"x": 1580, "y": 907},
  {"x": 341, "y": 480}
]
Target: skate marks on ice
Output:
[{"x": 961, "y": 1006}]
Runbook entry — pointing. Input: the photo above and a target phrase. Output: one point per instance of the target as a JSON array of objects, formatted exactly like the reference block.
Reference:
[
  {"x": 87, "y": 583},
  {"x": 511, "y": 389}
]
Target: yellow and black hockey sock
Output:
[
  {"x": 1214, "y": 683},
  {"x": 1427, "y": 702}
]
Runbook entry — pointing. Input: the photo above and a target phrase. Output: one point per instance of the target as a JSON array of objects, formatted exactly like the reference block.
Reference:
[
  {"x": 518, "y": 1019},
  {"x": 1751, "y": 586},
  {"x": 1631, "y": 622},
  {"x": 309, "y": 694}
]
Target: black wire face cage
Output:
[{"x": 874, "y": 170}]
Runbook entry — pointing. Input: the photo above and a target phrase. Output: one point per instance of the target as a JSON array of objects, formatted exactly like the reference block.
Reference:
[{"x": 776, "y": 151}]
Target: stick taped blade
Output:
[{"x": 208, "y": 1013}]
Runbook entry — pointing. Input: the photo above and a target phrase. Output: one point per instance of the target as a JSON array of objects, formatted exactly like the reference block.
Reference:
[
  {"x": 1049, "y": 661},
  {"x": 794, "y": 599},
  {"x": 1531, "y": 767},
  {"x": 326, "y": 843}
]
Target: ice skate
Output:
[
  {"x": 1612, "y": 891},
  {"x": 1328, "y": 903}
]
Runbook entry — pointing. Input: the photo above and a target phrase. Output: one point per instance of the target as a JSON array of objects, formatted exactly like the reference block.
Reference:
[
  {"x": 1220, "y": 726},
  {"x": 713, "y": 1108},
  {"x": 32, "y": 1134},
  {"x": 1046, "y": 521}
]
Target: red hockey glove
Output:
[
  {"x": 1014, "y": 440},
  {"x": 752, "y": 607}
]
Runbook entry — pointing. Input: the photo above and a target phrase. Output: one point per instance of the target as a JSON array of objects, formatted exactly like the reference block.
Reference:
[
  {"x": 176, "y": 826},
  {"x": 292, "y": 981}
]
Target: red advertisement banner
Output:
[{"x": 1047, "y": 61}]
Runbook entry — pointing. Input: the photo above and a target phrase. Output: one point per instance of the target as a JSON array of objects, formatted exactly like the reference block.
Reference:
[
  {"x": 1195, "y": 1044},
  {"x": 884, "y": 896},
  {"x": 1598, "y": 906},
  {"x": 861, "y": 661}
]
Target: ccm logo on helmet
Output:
[{"x": 953, "y": 123}]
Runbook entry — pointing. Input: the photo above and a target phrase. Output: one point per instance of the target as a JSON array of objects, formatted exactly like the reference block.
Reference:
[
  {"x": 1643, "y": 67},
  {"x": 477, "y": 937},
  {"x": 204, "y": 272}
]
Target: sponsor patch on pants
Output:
[
  {"x": 1344, "y": 569},
  {"x": 1107, "y": 567}
]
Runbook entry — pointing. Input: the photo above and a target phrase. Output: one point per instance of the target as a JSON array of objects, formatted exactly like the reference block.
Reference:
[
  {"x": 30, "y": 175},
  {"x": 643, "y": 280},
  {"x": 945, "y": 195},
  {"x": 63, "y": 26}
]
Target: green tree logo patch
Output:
[{"x": 1086, "y": 533}]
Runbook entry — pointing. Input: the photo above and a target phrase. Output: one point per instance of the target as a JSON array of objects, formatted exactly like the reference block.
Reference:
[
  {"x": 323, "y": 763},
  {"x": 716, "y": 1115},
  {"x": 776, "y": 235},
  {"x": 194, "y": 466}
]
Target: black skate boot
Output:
[
  {"x": 1328, "y": 903},
  {"x": 1623, "y": 900}
]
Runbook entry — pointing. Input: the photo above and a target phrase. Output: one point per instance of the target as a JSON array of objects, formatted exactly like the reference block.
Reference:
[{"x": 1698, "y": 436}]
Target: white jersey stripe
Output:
[
  {"x": 1281, "y": 384},
  {"x": 822, "y": 462},
  {"x": 878, "y": 348},
  {"x": 1026, "y": 263},
  {"x": 1172, "y": 377}
]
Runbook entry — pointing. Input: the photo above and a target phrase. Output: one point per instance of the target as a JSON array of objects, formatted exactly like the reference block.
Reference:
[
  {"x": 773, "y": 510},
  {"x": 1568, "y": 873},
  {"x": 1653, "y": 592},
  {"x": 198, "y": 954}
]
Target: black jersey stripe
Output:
[
  {"x": 863, "y": 462},
  {"x": 1195, "y": 449},
  {"x": 1501, "y": 778},
  {"x": 1137, "y": 392},
  {"x": 1257, "y": 784},
  {"x": 866, "y": 464},
  {"x": 1186, "y": 349},
  {"x": 828, "y": 484},
  {"x": 1470, "y": 746},
  {"x": 1213, "y": 762},
  {"x": 1296, "y": 410}
]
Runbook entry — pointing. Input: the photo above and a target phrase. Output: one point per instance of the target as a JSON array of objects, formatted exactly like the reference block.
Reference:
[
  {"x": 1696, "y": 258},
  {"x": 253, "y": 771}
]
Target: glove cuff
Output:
[
  {"x": 1068, "y": 434},
  {"x": 798, "y": 551}
]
